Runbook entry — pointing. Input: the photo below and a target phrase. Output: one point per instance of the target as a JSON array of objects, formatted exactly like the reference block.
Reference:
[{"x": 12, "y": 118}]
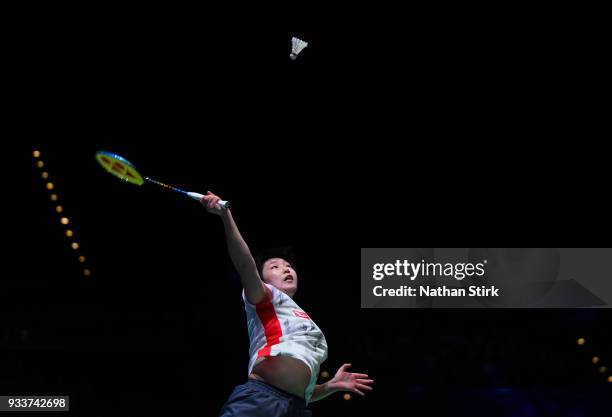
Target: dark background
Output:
[{"x": 427, "y": 126}]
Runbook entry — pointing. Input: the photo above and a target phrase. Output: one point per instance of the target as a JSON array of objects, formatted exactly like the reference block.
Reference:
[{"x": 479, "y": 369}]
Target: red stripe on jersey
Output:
[{"x": 272, "y": 327}]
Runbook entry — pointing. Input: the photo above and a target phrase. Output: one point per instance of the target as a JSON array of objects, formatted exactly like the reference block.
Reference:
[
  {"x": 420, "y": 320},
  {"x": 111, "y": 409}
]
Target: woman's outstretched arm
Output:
[{"x": 254, "y": 288}]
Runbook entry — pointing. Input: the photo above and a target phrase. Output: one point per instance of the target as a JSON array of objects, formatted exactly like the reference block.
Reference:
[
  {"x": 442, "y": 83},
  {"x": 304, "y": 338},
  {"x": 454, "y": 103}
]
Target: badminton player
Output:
[{"x": 286, "y": 346}]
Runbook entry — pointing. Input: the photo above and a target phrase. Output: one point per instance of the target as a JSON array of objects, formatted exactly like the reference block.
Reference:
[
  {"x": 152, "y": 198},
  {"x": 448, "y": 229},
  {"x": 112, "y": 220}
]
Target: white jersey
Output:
[{"x": 279, "y": 327}]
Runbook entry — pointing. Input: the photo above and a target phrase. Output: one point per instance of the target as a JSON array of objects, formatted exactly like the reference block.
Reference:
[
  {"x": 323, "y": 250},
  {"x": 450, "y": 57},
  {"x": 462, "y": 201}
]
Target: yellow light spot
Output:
[
  {"x": 347, "y": 396},
  {"x": 610, "y": 378},
  {"x": 59, "y": 209},
  {"x": 602, "y": 369},
  {"x": 53, "y": 197},
  {"x": 81, "y": 259},
  {"x": 69, "y": 233},
  {"x": 74, "y": 245},
  {"x": 581, "y": 341},
  {"x": 86, "y": 272},
  {"x": 50, "y": 186},
  {"x": 40, "y": 164},
  {"x": 45, "y": 175},
  {"x": 595, "y": 359},
  {"x": 36, "y": 154},
  {"x": 324, "y": 374},
  {"x": 64, "y": 220}
]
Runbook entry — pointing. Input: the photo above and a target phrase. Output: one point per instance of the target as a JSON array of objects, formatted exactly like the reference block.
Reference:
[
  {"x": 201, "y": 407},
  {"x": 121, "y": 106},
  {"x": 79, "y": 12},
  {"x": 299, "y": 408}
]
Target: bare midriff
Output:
[{"x": 289, "y": 374}]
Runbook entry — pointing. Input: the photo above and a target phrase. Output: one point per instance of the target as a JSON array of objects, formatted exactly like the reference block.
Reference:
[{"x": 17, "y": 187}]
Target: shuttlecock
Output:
[{"x": 296, "y": 47}]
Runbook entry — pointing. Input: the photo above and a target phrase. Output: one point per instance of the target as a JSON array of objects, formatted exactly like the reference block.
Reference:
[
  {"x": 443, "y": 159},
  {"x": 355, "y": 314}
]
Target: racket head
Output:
[{"x": 119, "y": 167}]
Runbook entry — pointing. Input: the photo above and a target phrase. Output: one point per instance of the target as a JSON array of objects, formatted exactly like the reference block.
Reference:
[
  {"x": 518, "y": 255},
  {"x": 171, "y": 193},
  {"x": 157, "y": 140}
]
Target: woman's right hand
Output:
[{"x": 210, "y": 201}]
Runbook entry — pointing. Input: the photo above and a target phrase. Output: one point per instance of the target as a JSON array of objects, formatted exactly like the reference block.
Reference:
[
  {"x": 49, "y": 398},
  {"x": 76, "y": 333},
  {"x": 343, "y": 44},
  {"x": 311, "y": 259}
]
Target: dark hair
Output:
[{"x": 284, "y": 252}]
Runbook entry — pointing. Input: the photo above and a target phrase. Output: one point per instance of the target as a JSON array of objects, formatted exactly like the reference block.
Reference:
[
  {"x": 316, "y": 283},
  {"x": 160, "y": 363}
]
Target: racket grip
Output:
[{"x": 197, "y": 196}]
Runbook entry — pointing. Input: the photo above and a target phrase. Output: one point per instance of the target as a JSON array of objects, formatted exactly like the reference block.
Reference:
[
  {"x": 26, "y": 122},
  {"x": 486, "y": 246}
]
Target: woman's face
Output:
[{"x": 279, "y": 273}]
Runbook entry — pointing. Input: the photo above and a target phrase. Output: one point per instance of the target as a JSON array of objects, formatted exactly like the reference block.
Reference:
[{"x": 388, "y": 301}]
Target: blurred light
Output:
[
  {"x": 40, "y": 164},
  {"x": 86, "y": 272},
  {"x": 347, "y": 396},
  {"x": 69, "y": 233},
  {"x": 53, "y": 197},
  {"x": 581, "y": 341},
  {"x": 59, "y": 209},
  {"x": 610, "y": 378},
  {"x": 602, "y": 369},
  {"x": 595, "y": 359},
  {"x": 74, "y": 245},
  {"x": 64, "y": 220},
  {"x": 324, "y": 374},
  {"x": 81, "y": 259},
  {"x": 503, "y": 390},
  {"x": 50, "y": 186},
  {"x": 45, "y": 175},
  {"x": 36, "y": 154}
]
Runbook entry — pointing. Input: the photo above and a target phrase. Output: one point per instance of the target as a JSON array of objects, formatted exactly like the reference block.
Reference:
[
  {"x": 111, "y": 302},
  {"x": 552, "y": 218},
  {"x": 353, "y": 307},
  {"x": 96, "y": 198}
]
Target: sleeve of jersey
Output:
[{"x": 269, "y": 297}]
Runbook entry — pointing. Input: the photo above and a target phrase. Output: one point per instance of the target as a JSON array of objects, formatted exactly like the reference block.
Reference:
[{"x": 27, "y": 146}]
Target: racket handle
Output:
[{"x": 197, "y": 196}]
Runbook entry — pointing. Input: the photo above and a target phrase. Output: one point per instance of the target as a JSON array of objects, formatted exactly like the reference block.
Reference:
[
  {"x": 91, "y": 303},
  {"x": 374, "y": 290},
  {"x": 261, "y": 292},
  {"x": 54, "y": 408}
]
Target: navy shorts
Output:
[{"x": 258, "y": 399}]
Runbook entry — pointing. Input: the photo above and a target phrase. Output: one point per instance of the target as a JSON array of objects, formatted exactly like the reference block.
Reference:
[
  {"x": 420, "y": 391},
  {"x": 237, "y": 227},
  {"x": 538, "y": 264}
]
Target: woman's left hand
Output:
[{"x": 352, "y": 382}]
